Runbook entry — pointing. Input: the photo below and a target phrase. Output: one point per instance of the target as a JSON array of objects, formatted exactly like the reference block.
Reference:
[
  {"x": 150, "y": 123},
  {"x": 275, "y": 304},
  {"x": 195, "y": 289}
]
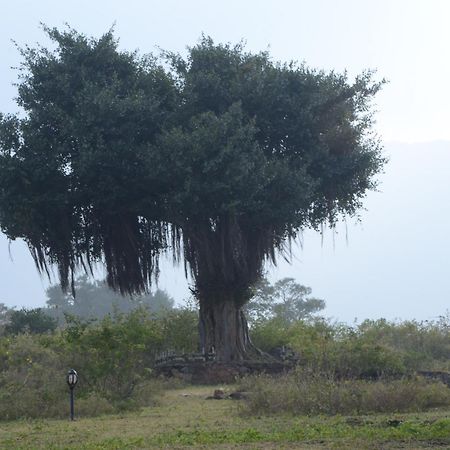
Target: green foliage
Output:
[
  {"x": 32, "y": 379},
  {"x": 221, "y": 158},
  {"x": 369, "y": 350},
  {"x": 30, "y": 320},
  {"x": 285, "y": 300},
  {"x": 77, "y": 163},
  {"x": 119, "y": 157},
  {"x": 113, "y": 356},
  {"x": 180, "y": 330},
  {"x": 425, "y": 345},
  {"x": 270, "y": 334},
  {"x": 359, "y": 358},
  {"x": 307, "y": 393}
]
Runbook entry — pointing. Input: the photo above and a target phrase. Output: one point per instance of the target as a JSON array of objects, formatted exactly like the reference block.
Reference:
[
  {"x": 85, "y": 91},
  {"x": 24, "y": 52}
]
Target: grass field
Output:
[{"x": 184, "y": 418}]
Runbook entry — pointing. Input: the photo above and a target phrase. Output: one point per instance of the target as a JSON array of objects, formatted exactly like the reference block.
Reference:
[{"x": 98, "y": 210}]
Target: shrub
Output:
[
  {"x": 424, "y": 344},
  {"x": 180, "y": 330},
  {"x": 32, "y": 380},
  {"x": 115, "y": 355},
  {"x": 271, "y": 334},
  {"x": 31, "y": 321},
  {"x": 368, "y": 350},
  {"x": 308, "y": 394},
  {"x": 113, "y": 360},
  {"x": 358, "y": 358}
]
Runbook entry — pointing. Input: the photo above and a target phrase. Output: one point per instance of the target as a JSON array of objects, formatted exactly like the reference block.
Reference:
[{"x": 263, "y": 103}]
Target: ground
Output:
[{"x": 185, "y": 419}]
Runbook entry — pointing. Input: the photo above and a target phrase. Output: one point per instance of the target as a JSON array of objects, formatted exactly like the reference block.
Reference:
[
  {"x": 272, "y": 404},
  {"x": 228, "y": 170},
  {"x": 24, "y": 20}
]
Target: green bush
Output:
[
  {"x": 30, "y": 321},
  {"x": 424, "y": 345},
  {"x": 115, "y": 355},
  {"x": 180, "y": 330},
  {"x": 270, "y": 334},
  {"x": 32, "y": 380},
  {"x": 368, "y": 350},
  {"x": 357, "y": 358},
  {"x": 113, "y": 359}
]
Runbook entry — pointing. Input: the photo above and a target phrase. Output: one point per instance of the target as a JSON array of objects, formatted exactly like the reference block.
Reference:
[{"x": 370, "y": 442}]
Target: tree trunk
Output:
[
  {"x": 224, "y": 331},
  {"x": 224, "y": 264}
]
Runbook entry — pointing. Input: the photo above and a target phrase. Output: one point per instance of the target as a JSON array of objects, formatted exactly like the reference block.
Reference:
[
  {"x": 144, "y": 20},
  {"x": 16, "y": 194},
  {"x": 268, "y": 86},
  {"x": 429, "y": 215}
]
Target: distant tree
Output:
[
  {"x": 5, "y": 314},
  {"x": 260, "y": 306},
  {"x": 285, "y": 300},
  {"x": 94, "y": 300},
  {"x": 31, "y": 321},
  {"x": 220, "y": 157},
  {"x": 293, "y": 301}
]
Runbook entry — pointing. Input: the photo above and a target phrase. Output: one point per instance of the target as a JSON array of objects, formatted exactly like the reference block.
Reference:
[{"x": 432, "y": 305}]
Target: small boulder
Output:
[
  {"x": 219, "y": 394},
  {"x": 238, "y": 395}
]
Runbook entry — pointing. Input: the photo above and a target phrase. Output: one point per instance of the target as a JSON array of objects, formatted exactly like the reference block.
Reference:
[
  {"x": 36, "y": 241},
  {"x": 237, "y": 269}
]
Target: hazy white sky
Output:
[
  {"x": 396, "y": 263},
  {"x": 406, "y": 40}
]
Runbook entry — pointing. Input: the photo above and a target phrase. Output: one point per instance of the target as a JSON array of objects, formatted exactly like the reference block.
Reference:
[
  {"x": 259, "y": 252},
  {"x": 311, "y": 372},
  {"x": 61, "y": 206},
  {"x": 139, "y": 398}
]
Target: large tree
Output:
[{"x": 220, "y": 157}]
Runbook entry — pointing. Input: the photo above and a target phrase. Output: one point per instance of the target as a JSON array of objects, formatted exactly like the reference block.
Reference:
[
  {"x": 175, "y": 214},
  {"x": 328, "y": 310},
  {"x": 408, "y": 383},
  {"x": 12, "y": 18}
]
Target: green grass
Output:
[{"x": 184, "y": 418}]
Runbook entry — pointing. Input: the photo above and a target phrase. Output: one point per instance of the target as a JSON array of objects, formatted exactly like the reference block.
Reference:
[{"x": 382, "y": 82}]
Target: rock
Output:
[
  {"x": 219, "y": 394},
  {"x": 238, "y": 395}
]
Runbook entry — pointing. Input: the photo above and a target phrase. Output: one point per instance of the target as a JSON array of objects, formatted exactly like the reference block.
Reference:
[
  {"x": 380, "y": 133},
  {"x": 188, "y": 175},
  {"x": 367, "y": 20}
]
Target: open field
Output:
[{"x": 184, "y": 418}]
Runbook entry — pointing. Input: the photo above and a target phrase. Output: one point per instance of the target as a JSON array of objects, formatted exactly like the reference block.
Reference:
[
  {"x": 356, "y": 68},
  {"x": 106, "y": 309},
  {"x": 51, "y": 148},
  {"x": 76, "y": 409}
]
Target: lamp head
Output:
[{"x": 72, "y": 378}]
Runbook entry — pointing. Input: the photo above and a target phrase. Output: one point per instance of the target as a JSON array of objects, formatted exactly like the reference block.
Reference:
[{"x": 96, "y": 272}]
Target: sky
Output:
[{"x": 392, "y": 264}]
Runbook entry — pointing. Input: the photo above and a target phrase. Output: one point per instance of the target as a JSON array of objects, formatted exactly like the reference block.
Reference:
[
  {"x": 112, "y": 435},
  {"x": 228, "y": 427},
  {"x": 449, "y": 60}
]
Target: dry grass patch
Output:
[
  {"x": 185, "y": 419},
  {"x": 304, "y": 393}
]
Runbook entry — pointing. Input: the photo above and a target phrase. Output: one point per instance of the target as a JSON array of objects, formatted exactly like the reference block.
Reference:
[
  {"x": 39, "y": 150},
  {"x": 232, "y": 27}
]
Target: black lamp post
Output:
[{"x": 72, "y": 379}]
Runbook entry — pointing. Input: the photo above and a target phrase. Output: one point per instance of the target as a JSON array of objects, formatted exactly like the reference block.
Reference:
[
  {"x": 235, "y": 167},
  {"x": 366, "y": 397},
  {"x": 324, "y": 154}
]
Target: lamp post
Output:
[{"x": 72, "y": 379}]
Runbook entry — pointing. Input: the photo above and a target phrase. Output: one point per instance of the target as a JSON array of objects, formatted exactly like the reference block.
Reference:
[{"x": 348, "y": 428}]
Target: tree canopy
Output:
[{"x": 220, "y": 157}]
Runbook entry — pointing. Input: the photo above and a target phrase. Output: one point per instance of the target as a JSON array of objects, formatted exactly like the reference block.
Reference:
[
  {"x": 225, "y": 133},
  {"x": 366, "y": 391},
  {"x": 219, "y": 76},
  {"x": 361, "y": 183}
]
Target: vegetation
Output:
[
  {"x": 354, "y": 366},
  {"x": 184, "y": 419},
  {"x": 308, "y": 393},
  {"x": 29, "y": 320},
  {"x": 114, "y": 359},
  {"x": 286, "y": 301},
  {"x": 368, "y": 350},
  {"x": 94, "y": 300},
  {"x": 353, "y": 387},
  {"x": 5, "y": 314},
  {"x": 220, "y": 158}
]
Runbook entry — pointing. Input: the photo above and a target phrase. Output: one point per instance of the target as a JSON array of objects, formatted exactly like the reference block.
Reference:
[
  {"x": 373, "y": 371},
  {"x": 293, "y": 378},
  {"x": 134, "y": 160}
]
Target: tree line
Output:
[{"x": 285, "y": 300}]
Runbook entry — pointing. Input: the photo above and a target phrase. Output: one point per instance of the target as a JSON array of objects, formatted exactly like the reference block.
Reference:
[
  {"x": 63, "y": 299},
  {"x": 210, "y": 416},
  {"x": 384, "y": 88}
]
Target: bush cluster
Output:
[
  {"x": 369, "y": 350},
  {"x": 340, "y": 368},
  {"x": 306, "y": 393},
  {"x": 113, "y": 357}
]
